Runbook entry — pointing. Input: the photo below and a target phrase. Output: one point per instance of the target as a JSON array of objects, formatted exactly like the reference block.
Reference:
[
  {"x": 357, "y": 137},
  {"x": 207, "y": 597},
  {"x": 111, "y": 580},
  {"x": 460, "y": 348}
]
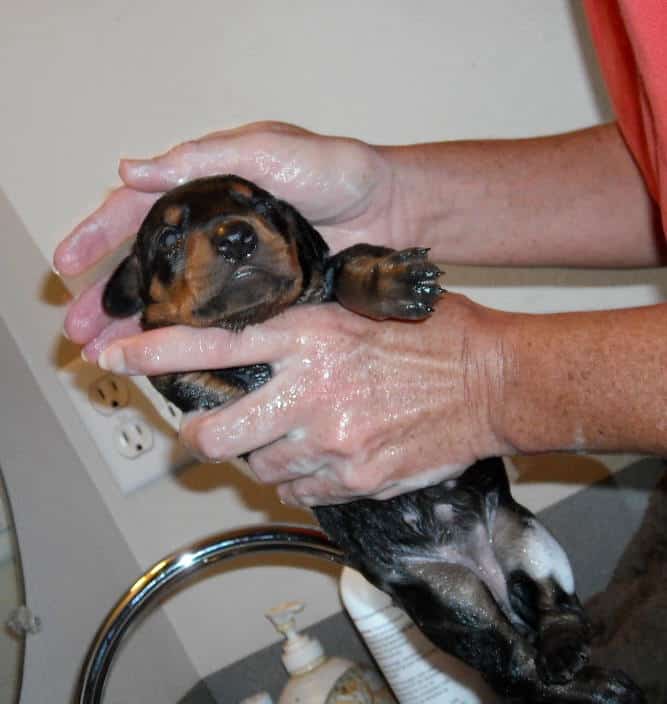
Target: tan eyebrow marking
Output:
[
  {"x": 173, "y": 215},
  {"x": 242, "y": 189}
]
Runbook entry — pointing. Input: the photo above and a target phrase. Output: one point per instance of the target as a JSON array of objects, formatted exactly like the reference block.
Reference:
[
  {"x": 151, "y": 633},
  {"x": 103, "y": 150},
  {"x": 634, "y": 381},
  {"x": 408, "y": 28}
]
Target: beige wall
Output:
[{"x": 84, "y": 83}]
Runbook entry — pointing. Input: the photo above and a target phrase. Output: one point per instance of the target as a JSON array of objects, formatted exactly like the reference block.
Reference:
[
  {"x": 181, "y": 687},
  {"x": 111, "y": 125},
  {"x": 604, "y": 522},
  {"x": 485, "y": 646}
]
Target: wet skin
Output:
[{"x": 477, "y": 572}]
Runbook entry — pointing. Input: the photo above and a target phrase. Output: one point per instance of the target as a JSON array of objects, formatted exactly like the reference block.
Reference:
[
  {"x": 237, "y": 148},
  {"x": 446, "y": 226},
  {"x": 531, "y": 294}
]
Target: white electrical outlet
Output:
[
  {"x": 133, "y": 437},
  {"x": 134, "y": 427}
]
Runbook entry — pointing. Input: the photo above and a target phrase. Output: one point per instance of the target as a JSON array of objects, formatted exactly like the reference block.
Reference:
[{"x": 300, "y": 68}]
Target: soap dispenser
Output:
[{"x": 314, "y": 677}]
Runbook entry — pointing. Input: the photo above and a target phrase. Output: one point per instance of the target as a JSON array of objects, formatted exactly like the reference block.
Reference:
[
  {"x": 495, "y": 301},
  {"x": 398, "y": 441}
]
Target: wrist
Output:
[
  {"x": 536, "y": 411},
  {"x": 417, "y": 195},
  {"x": 487, "y": 361},
  {"x": 526, "y": 384}
]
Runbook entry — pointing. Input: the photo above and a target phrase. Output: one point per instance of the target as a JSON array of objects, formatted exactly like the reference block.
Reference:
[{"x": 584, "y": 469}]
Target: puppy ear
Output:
[{"x": 122, "y": 294}]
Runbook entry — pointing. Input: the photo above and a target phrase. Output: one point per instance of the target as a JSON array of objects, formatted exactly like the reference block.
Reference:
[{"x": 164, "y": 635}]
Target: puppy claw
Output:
[
  {"x": 406, "y": 255},
  {"x": 411, "y": 288}
]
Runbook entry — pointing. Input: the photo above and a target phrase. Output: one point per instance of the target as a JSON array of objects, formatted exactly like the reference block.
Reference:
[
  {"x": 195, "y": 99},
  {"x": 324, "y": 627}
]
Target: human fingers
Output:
[
  {"x": 333, "y": 480},
  {"x": 319, "y": 489},
  {"x": 327, "y": 485},
  {"x": 180, "y": 348},
  {"x": 334, "y": 476},
  {"x": 329, "y": 179},
  {"x": 116, "y": 330},
  {"x": 85, "y": 317},
  {"x": 243, "y": 151},
  {"x": 290, "y": 457},
  {"x": 258, "y": 419},
  {"x": 117, "y": 219}
]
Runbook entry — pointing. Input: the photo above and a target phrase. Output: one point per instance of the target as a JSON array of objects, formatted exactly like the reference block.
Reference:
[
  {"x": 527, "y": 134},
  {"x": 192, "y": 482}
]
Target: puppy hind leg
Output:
[
  {"x": 457, "y": 613},
  {"x": 464, "y": 620},
  {"x": 541, "y": 590}
]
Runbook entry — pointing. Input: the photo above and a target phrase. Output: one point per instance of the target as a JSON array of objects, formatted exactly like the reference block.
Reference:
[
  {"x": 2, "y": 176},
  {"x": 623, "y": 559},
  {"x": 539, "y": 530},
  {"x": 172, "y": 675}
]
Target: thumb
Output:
[
  {"x": 182, "y": 163},
  {"x": 249, "y": 151}
]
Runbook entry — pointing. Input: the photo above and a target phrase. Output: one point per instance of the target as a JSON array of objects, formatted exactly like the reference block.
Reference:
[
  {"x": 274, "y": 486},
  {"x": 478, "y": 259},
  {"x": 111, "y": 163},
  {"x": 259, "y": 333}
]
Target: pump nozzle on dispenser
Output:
[
  {"x": 316, "y": 679},
  {"x": 283, "y": 617},
  {"x": 300, "y": 653}
]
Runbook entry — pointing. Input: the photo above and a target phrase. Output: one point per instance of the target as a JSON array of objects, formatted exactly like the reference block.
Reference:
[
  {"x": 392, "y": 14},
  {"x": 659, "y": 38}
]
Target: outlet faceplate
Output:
[{"x": 138, "y": 434}]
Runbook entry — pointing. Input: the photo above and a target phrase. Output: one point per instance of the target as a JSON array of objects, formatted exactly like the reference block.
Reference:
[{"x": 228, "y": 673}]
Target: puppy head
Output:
[{"x": 216, "y": 251}]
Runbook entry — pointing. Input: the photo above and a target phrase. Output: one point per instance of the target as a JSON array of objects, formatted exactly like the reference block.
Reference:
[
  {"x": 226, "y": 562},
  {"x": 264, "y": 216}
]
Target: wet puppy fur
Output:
[{"x": 478, "y": 573}]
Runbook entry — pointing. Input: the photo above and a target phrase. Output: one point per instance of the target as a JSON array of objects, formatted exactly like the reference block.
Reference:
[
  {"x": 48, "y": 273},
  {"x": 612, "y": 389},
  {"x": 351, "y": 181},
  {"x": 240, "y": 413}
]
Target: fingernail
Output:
[
  {"x": 112, "y": 359},
  {"x": 83, "y": 355},
  {"x": 137, "y": 168},
  {"x": 54, "y": 270},
  {"x": 131, "y": 163},
  {"x": 286, "y": 498}
]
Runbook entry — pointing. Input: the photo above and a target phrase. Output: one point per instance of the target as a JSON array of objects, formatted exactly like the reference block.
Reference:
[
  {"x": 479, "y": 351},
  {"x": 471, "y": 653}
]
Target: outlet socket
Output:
[
  {"x": 108, "y": 393},
  {"x": 138, "y": 437},
  {"x": 133, "y": 437}
]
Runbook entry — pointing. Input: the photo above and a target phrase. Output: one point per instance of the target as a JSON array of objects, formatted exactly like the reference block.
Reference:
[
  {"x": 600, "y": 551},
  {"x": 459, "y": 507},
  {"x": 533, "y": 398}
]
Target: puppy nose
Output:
[{"x": 236, "y": 241}]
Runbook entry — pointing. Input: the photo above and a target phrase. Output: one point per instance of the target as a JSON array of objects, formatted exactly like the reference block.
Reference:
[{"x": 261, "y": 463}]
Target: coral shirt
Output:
[{"x": 630, "y": 37}]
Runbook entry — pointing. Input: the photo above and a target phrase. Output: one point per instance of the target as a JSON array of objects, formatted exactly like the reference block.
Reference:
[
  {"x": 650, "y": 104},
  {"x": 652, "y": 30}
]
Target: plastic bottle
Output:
[
  {"x": 314, "y": 677},
  {"x": 415, "y": 669}
]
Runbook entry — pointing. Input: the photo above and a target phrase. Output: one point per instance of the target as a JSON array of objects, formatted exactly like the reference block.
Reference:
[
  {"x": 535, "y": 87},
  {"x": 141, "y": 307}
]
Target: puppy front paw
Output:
[
  {"x": 564, "y": 649},
  {"x": 410, "y": 283}
]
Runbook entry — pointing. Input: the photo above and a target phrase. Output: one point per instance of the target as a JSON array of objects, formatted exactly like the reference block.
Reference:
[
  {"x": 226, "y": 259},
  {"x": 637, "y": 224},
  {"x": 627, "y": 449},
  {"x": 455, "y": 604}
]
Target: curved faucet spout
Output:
[{"x": 170, "y": 571}]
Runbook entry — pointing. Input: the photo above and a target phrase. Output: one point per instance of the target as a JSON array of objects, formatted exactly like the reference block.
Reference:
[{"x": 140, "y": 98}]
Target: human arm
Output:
[
  {"x": 354, "y": 193},
  {"x": 593, "y": 381},
  {"x": 575, "y": 200},
  {"x": 359, "y": 408},
  {"x": 523, "y": 201}
]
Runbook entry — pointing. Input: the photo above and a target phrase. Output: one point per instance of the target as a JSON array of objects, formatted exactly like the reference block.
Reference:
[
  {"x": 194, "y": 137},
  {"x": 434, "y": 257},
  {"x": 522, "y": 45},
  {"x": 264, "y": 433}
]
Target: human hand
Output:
[
  {"x": 346, "y": 188},
  {"x": 355, "y": 407}
]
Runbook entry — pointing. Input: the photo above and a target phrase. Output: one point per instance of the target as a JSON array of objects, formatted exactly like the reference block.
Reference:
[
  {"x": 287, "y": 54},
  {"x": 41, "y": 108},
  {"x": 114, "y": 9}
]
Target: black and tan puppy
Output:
[{"x": 476, "y": 571}]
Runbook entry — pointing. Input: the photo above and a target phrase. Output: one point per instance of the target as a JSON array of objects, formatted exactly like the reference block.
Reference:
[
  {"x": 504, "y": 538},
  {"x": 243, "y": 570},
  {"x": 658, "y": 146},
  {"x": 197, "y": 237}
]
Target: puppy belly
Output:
[{"x": 476, "y": 556}]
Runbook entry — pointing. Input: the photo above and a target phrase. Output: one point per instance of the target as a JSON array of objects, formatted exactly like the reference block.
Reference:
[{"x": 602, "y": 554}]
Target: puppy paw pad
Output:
[{"x": 410, "y": 281}]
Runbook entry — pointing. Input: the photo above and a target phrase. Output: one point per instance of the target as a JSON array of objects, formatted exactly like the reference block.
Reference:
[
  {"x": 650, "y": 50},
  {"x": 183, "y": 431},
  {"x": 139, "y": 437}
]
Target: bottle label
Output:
[
  {"x": 350, "y": 688},
  {"x": 416, "y": 670},
  {"x": 377, "y": 685}
]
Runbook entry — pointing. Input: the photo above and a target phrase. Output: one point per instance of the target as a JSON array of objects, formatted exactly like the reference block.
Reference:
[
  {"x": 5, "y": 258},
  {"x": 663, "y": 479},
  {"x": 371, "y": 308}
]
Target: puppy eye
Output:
[{"x": 170, "y": 237}]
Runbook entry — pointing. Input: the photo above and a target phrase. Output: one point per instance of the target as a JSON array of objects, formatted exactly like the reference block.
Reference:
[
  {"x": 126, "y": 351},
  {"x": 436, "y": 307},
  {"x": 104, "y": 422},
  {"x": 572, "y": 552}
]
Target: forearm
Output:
[
  {"x": 575, "y": 199},
  {"x": 585, "y": 381}
]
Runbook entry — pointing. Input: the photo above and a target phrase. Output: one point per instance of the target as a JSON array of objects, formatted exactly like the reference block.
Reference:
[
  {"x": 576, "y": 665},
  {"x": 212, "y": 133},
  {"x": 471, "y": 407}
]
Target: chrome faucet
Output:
[{"x": 176, "y": 568}]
